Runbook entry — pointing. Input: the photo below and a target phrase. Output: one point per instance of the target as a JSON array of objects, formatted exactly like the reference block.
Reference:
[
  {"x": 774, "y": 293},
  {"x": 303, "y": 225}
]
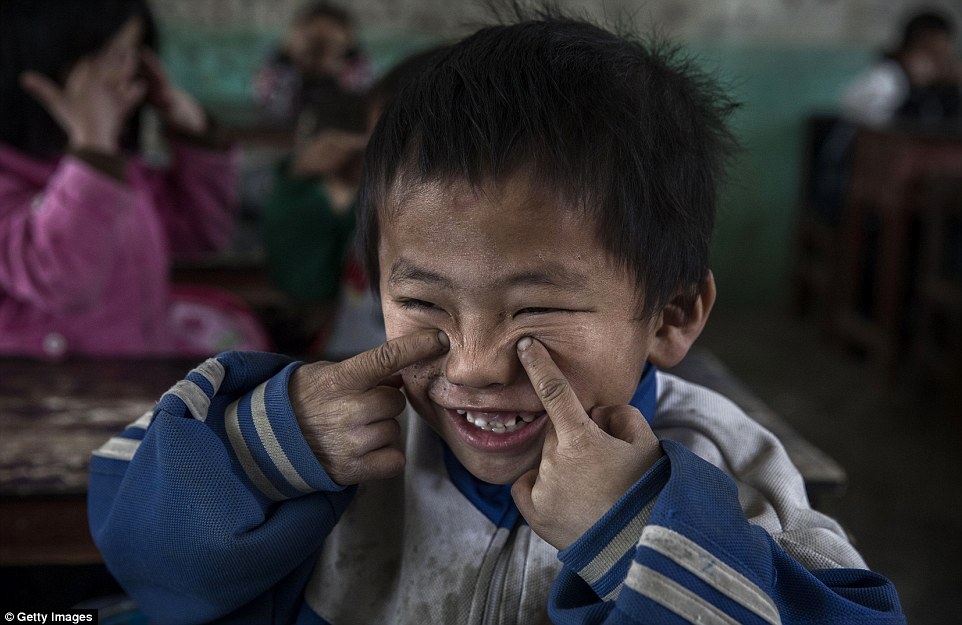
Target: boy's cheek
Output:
[
  {"x": 600, "y": 372},
  {"x": 417, "y": 376}
]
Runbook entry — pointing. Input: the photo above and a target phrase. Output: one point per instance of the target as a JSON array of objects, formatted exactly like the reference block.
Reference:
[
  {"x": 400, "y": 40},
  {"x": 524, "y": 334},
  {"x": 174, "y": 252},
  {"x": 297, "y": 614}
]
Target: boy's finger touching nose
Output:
[
  {"x": 371, "y": 367},
  {"x": 559, "y": 399}
]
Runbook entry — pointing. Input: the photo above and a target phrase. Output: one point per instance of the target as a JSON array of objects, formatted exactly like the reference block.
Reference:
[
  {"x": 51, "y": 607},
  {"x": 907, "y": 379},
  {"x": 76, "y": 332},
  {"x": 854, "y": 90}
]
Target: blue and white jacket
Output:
[{"x": 212, "y": 508}]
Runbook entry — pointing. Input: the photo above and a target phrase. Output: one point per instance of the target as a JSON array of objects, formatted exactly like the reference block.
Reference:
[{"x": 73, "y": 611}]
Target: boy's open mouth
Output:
[{"x": 498, "y": 422}]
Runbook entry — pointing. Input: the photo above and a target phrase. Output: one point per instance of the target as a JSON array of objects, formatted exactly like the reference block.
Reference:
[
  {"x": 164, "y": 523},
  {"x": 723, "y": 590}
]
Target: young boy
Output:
[{"x": 536, "y": 211}]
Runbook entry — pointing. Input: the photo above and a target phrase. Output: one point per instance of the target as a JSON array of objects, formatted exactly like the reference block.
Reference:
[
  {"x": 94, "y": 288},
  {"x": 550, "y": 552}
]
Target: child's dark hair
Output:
[
  {"x": 924, "y": 24},
  {"x": 324, "y": 9},
  {"x": 49, "y": 36},
  {"x": 632, "y": 134}
]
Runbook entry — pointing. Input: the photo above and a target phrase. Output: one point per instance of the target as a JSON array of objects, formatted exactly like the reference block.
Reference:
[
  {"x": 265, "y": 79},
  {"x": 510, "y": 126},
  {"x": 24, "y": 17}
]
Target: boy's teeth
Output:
[{"x": 496, "y": 425}]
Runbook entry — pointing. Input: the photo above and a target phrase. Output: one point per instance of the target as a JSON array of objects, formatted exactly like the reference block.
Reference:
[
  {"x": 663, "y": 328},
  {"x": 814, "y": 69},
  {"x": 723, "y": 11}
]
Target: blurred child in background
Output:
[
  {"x": 308, "y": 224},
  {"x": 318, "y": 62},
  {"x": 87, "y": 230},
  {"x": 921, "y": 79}
]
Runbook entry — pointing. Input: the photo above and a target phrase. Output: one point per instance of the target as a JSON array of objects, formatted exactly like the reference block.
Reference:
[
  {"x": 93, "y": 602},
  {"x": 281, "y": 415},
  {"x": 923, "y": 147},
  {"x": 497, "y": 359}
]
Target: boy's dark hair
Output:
[
  {"x": 323, "y": 9},
  {"x": 49, "y": 36},
  {"x": 405, "y": 71},
  {"x": 631, "y": 134},
  {"x": 923, "y": 24}
]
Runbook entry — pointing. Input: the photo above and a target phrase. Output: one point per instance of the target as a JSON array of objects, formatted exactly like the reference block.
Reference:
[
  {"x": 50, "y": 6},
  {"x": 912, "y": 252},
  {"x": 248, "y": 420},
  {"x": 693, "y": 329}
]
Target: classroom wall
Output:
[
  {"x": 809, "y": 21},
  {"x": 783, "y": 59}
]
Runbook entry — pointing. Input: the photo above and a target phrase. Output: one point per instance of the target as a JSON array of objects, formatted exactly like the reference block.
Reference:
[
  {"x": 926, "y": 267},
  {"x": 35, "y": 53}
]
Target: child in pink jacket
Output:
[{"x": 87, "y": 230}]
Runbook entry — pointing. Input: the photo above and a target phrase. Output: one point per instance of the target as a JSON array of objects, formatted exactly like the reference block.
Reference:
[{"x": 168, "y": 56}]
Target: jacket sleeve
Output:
[
  {"x": 197, "y": 198},
  {"x": 55, "y": 254},
  {"x": 213, "y": 507},
  {"x": 678, "y": 548}
]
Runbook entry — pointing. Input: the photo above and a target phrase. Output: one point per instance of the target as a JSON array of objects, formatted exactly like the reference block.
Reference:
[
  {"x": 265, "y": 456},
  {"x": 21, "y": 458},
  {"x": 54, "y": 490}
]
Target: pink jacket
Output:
[{"x": 84, "y": 259}]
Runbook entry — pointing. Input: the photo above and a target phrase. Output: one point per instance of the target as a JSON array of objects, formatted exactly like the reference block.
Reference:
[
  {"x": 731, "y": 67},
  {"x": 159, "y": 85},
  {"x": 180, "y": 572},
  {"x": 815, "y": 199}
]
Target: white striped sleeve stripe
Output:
[
  {"x": 193, "y": 396},
  {"x": 118, "y": 449},
  {"x": 262, "y": 424},
  {"x": 143, "y": 421},
  {"x": 675, "y": 597},
  {"x": 626, "y": 539},
  {"x": 723, "y": 578},
  {"x": 245, "y": 457},
  {"x": 615, "y": 592},
  {"x": 212, "y": 371}
]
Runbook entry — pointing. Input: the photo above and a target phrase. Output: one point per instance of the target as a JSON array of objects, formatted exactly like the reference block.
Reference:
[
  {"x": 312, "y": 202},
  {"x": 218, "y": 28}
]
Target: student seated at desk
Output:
[
  {"x": 87, "y": 229},
  {"x": 536, "y": 211},
  {"x": 308, "y": 225}
]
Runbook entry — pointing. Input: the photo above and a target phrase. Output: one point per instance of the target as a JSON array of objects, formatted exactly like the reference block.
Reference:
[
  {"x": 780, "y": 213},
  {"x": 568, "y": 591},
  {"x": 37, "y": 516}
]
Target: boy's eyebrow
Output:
[
  {"x": 405, "y": 271},
  {"x": 552, "y": 274}
]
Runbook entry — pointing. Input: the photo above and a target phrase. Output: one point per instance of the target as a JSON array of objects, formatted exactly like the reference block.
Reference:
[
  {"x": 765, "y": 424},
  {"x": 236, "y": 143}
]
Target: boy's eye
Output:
[
  {"x": 534, "y": 310},
  {"x": 417, "y": 304}
]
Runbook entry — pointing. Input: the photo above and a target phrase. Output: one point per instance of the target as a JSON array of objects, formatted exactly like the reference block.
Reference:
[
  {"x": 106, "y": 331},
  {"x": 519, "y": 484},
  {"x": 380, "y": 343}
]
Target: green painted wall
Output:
[
  {"x": 778, "y": 85},
  {"x": 778, "y": 88},
  {"x": 216, "y": 66}
]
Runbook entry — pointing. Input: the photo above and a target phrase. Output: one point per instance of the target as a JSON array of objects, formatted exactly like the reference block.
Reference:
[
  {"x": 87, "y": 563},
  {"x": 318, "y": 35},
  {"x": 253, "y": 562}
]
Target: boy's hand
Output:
[
  {"x": 587, "y": 464},
  {"x": 347, "y": 410}
]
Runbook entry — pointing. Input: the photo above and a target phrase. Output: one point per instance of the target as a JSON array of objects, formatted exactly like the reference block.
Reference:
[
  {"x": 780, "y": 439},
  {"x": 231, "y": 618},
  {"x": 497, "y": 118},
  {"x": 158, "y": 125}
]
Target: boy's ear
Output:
[{"x": 679, "y": 324}]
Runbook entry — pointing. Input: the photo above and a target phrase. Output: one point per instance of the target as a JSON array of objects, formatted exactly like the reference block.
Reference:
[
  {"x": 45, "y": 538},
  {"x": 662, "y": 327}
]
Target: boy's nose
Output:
[{"x": 480, "y": 364}]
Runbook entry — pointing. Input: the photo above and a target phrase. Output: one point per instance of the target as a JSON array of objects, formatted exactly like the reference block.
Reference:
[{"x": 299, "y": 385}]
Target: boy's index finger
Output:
[
  {"x": 367, "y": 369},
  {"x": 559, "y": 399}
]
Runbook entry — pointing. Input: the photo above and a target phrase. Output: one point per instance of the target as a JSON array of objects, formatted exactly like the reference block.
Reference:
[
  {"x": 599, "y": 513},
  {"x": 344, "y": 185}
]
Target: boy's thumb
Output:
[{"x": 521, "y": 493}]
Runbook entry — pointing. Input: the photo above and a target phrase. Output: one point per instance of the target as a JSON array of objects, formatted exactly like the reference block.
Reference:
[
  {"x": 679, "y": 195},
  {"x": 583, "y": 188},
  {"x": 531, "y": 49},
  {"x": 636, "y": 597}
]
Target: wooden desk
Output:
[
  {"x": 53, "y": 415},
  {"x": 890, "y": 170}
]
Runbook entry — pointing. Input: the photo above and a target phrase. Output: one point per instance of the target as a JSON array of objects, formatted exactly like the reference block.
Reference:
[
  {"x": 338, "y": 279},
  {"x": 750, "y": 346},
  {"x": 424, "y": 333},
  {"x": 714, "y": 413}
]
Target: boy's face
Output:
[{"x": 488, "y": 270}]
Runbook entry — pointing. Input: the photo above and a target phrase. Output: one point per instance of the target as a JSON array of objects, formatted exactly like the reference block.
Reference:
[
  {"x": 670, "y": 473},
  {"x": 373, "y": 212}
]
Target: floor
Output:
[{"x": 901, "y": 444}]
